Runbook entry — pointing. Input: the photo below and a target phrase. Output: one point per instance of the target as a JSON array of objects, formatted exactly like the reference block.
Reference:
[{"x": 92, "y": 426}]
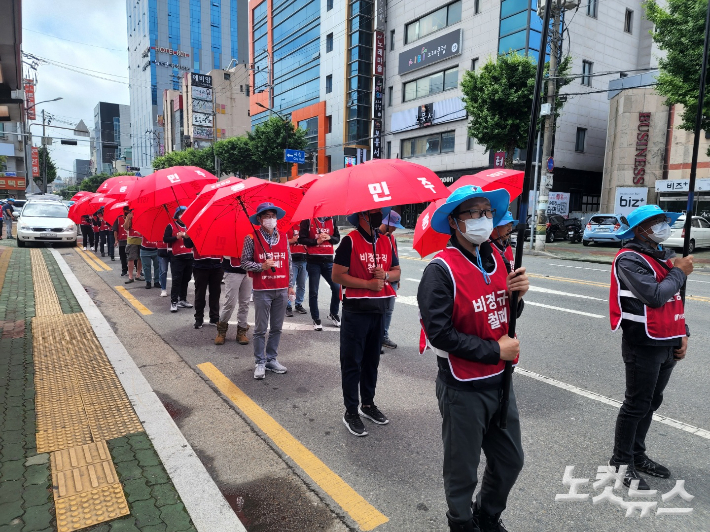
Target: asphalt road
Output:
[{"x": 567, "y": 421}]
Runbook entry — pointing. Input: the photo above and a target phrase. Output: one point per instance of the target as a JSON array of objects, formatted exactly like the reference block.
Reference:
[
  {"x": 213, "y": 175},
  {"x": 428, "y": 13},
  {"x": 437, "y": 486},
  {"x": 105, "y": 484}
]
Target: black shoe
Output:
[
  {"x": 317, "y": 325},
  {"x": 148, "y": 285},
  {"x": 113, "y": 259},
  {"x": 124, "y": 274},
  {"x": 335, "y": 319},
  {"x": 103, "y": 254},
  {"x": 214, "y": 321},
  {"x": 463, "y": 527},
  {"x": 389, "y": 344},
  {"x": 354, "y": 424},
  {"x": 486, "y": 522},
  {"x": 373, "y": 414},
  {"x": 301, "y": 310},
  {"x": 645, "y": 465},
  {"x": 198, "y": 324},
  {"x": 289, "y": 312},
  {"x": 630, "y": 476},
  {"x": 129, "y": 281}
]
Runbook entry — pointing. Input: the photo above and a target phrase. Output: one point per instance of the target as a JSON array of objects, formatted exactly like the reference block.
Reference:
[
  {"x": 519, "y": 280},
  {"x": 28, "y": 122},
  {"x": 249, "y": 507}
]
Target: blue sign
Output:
[
  {"x": 295, "y": 156},
  {"x": 550, "y": 164}
]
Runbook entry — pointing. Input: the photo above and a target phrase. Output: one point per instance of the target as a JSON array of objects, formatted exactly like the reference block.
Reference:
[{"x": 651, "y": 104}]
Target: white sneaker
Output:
[
  {"x": 173, "y": 307},
  {"x": 275, "y": 366},
  {"x": 164, "y": 293},
  {"x": 184, "y": 304},
  {"x": 84, "y": 248},
  {"x": 259, "y": 371},
  {"x": 335, "y": 319},
  {"x": 317, "y": 325}
]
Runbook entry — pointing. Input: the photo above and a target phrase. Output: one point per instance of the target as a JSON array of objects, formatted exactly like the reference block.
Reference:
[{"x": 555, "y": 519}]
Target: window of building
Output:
[
  {"x": 389, "y": 149},
  {"x": 329, "y": 124},
  {"x": 329, "y": 43},
  {"x": 227, "y": 76},
  {"x": 591, "y": 203},
  {"x": 476, "y": 7},
  {"x": 470, "y": 143},
  {"x": 328, "y": 84},
  {"x": 581, "y": 138},
  {"x": 587, "y": 72},
  {"x": 327, "y": 164},
  {"x": 390, "y": 94},
  {"x": 428, "y": 145},
  {"x": 441, "y": 18},
  {"x": 329, "y": 5},
  {"x": 592, "y": 8},
  {"x": 433, "y": 84},
  {"x": 391, "y": 39},
  {"x": 474, "y": 64},
  {"x": 629, "y": 21}
]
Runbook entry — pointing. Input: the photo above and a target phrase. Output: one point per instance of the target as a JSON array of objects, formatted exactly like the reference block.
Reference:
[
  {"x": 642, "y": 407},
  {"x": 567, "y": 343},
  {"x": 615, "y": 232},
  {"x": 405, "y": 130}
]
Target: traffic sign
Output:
[
  {"x": 550, "y": 164},
  {"x": 295, "y": 156}
]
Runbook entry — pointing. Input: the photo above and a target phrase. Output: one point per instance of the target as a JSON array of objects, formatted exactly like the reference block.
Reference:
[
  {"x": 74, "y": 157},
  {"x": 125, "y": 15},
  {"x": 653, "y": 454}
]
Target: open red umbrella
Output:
[
  {"x": 81, "y": 208},
  {"x": 113, "y": 181},
  {"x": 99, "y": 201},
  {"x": 114, "y": 211},
  {"x": 120, "y": 190},
  {"x": 155, "y": 198},
  {"x": 377, "y": 183},
  {"x": 205, "y": 195},
  {"x": 221, "y": 225},
  {"x": 427, "y": 241},
  {"x": 79, "y": 195},
  {"x": 303, "y": 182}
]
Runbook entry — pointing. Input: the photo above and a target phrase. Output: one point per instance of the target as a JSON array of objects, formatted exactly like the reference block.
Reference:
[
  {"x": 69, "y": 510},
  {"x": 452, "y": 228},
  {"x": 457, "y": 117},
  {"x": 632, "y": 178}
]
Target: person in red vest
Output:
[
  {"x": 319, "y": 235},
  {"x": 149, "y": 258},
  {"x": 207, "y": 271},
  {"x": 645, "y": 302},
  {"x": 238, "y": 288},
  {"x": 500, "y": 238},
  {"x": 87, "y": 232},
  {"x": 106, "y": 236},
  {"x": 389, "y": 225},
  {"x": 464, "y": 297},
  {"x": 269, "y": 265},
  {"x": 364, "y": 266},
  {"x": 180, "y": 246},
  {"x": 133, "y": 249},
  {"x": 96, "y": 228},
  {"x": 298, "y": 255},
  {"x": 120, "y": 236}
]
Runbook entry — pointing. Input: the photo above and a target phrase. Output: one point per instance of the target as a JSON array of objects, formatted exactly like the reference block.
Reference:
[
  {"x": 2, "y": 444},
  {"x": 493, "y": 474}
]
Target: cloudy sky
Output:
[{"x": 86, "y": 37}]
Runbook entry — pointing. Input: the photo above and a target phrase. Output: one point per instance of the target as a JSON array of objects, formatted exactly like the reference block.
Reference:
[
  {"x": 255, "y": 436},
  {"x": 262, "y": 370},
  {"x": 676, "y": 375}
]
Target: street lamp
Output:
[
  {"x": 44, "y": 181},
  {"x": 45, "y": 101}
]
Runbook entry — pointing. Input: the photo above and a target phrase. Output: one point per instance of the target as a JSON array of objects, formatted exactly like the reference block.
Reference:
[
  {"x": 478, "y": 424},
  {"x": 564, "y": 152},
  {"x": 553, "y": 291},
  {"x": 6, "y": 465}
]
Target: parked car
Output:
[
  {"x": 45, "y": 221},
  {"x": 557, "y": 227},
  {"x": 699, "y": 234},
  {"x": 602, "y": 228}
]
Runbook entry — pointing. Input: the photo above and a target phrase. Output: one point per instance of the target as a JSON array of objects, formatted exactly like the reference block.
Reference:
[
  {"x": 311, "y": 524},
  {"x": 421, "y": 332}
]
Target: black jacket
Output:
[
  {"x": 169, "y": 239},
  {"x": 635, "y": 275},
  {"x": 303, "y": 238}
]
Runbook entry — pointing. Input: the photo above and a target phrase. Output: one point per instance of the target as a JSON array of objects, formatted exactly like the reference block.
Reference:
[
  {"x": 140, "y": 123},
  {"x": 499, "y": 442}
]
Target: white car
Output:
[
  {"x": 45, "y": 221},
  {"x": 699, "y": 234}
]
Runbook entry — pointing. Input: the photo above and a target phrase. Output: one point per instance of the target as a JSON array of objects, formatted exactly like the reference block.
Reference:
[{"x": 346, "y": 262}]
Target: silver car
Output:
[
  {"x": 45, "y": 221},
  {"x": 699, "y": 234}
]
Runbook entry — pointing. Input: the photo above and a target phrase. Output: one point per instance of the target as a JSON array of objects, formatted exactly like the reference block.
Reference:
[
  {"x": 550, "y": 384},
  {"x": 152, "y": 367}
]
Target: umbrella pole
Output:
[
  {"x": 256, "y": 235},
  {"x": 374, "y": 240},
  {"x": 522, "y": 213}
]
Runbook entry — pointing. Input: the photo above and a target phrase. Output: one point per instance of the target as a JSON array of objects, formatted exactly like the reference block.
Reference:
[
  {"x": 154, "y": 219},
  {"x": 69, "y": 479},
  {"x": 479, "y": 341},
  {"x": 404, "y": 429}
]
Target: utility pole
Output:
[
  {"x": 44, "y": 163},
  {"x": 546, "y": 179}
]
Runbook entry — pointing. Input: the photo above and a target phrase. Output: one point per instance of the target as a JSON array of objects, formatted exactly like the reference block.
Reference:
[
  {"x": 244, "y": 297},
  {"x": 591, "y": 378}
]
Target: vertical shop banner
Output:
[
  {"x": 499, "y": 160},
  {"x": 379, "y": 96},
  {"x": 377, "y": 139},
  {"x": 30, "y": 99},
  {"x": 379, "y": 53},
  {"x": 381, "y": 10},
  {"x": 35, "y": 161}
]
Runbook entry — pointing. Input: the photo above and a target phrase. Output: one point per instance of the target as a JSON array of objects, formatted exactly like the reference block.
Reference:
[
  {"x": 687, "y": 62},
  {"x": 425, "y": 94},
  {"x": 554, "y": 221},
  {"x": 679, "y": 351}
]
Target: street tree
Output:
[
  {"x": 46, "y": 164},
  {"x": 236, "y": 156},
  {"x": 270, "y": 139},
  {"x": 498, "y": 97},
  {"x": 679, "y": 31}
]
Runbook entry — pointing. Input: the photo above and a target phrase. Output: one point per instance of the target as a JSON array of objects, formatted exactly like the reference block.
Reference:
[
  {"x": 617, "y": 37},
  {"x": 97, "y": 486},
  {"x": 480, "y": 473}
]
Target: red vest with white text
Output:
[
  {"x": 104, "y": 225},
  {"x": 197, "y": 256},
  {"x": 316, "y": 228},
  {"x": 122, "y": 234},
  {"x": 235, "y": 262},
  {"x": 296, "y": 248},
  {"x": 480, "y": 309},
  {"x": 148, "y": 245},
  {"x": 95, "y": 224},
  {"x": 178, "y": 247},
  {"x": 362, "y": 264},
  {"x": 661, "y": 323},
  {"x": 268, "y": 280}
]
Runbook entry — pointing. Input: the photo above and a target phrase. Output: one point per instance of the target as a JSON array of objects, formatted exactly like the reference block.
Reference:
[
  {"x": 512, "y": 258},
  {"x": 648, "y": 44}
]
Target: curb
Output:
[{"x": 203, "y": 500}]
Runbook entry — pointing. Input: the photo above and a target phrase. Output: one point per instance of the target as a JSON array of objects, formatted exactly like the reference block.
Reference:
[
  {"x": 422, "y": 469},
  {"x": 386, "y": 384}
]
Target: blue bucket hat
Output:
[
  {"x": 393, "y": 219},
  {"x": 266, "y": 206},
  {"x": 508, "y": 218},
  {"x": 178, "y": 211},
  {"x": 500, "y": 199},
  {"x": 639, "y": 216},
  {"x": 354, "y": 217}
]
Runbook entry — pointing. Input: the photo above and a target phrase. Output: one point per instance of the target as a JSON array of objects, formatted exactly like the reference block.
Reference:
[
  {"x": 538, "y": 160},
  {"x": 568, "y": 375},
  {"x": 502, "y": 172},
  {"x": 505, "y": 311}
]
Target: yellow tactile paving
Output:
[
  {"x": 4, "y": 263},
  {"x": 81, "y": 455},
  {"x": 91, "y": 507},
  {"x": 46, "y": 300},
  {"x": 49, "y": 441}
]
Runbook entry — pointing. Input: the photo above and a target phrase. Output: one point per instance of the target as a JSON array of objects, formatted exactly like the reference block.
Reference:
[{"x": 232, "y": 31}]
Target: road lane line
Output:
[
  {"x": 101, "y": 263},
  {"x": 296, "y": 326},
  {"x": 364, "y": 514},
  {"x": 612, "y": 402},
  {"x": 534, "y": 304},
  {"x": 413, "y": 280},
  {"x": 89, "y": 260},
  {"x": 542, "y": 290},
  {"x": 133, "y": 301},
  {"x": 413, "y": 258},
  {"x": 580, "y": 267}
]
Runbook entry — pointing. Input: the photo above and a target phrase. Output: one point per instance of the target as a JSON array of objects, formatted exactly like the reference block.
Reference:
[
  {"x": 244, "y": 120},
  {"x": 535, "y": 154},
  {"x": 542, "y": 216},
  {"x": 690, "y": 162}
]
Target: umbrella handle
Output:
[{"x": 256, "y": 235}]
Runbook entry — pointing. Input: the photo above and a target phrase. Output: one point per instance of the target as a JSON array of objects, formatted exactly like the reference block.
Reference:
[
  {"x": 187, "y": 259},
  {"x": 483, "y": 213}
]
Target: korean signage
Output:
[
  {"x": 168, "y": 64},
  {"x": 377, "y": 139},
  {"x": 30, "y": 99},
  {"x": 200, "y": 80},
  {"x": 499, "y": 159},
  {"x": 202, "y": 106},
  {"x": 425, "y": 114},
  {"x": 379, "y": 95},
  {"x": 430, "y": 52},
  {"x": 681, "y": 185},
  {"x": 558, "y": 203},
  {"x": 642, "y": 134},
  {"x": 381, "y": 10},
  {"x": 202, "y": 93},
  {"x": 170, "y": 51},
  {"x": 629, "y": 198},
  {"x": 379, "y": 67},
  {"x": 35, "y": 161},
  {"x": 199, "y": 119},
  {"x": 7, "y": 184}
]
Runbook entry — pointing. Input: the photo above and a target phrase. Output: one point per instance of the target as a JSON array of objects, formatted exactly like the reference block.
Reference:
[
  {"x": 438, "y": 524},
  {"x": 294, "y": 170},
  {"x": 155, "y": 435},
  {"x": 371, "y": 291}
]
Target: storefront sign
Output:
[
  {"x": 558, "y": 203},
  {"x": 425, "y": 115},
  {"x": 644, "y": 128},
  {"x": 629, "y": 198},
  {"x": 379, "y": 95},
  {"x": 431, "y": 52},
  {"x": 170, "y": 51},
  {"x": 35, "y": 161},
  {"x": 167, "y": 64},
  {"x": 30, "y": 99},
  {"x": 202, "y": 106},
  {"x": 379, "y": 53},
  {"x": 377, "y": 139},
  {"x": 199, "y": 119},
  {"x": 499, "y": 159},
  {"x": 681, "y": 185},
  {"x": 200, "y": 80},
  {"x": 381, "y": 10},
  {"x": 202, "y": 93}
]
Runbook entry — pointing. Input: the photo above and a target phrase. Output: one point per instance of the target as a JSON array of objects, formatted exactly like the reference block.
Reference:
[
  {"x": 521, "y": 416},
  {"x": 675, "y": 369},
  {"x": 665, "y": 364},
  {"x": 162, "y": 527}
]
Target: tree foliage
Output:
[
  {"x": 679, "y": 31},
  {"x": 498, "y": 98},
  {"x": 236, "y": 156},
  {"x": 270, "y": 139},
  {"x": 50, "y": 167}
]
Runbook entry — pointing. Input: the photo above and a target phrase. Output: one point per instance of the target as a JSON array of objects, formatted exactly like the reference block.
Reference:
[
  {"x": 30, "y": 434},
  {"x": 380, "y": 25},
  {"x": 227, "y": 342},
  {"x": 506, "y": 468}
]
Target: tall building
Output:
[
  {"x": 112, "y": 134},
  {"x": 82, "y": 169},
  {"x": 167, "y": 38}
]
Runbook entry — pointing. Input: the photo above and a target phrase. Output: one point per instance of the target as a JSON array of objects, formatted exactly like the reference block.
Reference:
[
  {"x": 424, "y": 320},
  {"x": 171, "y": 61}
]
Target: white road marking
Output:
[
  {"x": 532, "y": 303},
  {"x": 413, "y": 280},
  {"x": 408, "y": 300},
  {"x": 612, "y": 402},
  {"x": 296, "y": 327},
  {"x": 580, "y": 267},
  {"x": 560, "y": 293}
]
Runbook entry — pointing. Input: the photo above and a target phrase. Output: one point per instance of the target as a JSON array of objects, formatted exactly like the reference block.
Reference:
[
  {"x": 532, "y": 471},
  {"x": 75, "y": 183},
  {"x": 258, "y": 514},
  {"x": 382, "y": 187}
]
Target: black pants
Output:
[
  {"x": 648, "y": 369},
  {"x": 316, "y": 270},
  {"x": 360, "y": 342},
  {"x": 87, "y": 236},
  {"x": 469, "y": 425},
  {"x": 95, "y": 241},
  {"x": 207, "y": 278},
  {"x": 122, "y": 255},
  {"x": 182, "y": 273},
  {"x": 106, "y": 239}
]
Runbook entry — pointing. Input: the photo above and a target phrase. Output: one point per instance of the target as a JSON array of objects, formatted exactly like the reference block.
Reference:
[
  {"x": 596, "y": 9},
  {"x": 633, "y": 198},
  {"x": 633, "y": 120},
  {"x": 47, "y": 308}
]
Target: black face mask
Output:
[{"x": 375, "y": 219}]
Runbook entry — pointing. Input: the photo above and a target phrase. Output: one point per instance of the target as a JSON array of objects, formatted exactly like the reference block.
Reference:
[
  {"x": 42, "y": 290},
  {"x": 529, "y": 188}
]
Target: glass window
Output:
[
  {"x": 410, "y": 91},
  {"x": 328, "y": 84},
  {"x": 511, "y": 7},
  {"x": 629, "y": 21},
  {"x": 329, "y": 5},
  {"x": 432, "y": 84},
  {"x": 454, "y": 14},
  {"x": 451, "y": 79},
  {"x": 432, "y": 22},
  {"x": 587, "y": 71},
  {"x": 516, "y": 41},
  {"x": 474, "y": 64},
  {"x": 389, "y": 149},
  {"x": 592, "y": 8},
  {"x": 391, "y": 39},
  {"x": 329, "y": 43},
  {"x": 581, "y": 137},
  {"x": 476, "y": 7},
  {"x": 534, "y": 39},
  {"x": 412, "y": 32},
  {"x": 390, "y": 92},
  {"x": 514, "y": 23},
  {"x": 436, "y": 83},
  {"x": 447, "y": 141},
  {"x": 428, "y": 145}
]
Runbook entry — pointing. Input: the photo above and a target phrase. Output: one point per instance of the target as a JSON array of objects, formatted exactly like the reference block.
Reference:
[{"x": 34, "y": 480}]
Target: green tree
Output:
[
  {"x": 236, "y": 156},
  {"x": 45, "y": 164},
  {"x": 271, "y": 138},
  {"x": 679, "y": 31},
  {"x": 498, "y": 98}
]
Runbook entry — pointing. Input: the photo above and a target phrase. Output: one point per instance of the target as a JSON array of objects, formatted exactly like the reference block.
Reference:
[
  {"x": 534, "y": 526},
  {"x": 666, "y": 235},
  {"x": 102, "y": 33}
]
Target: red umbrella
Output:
[
  {"x": 221, "y": 225},
  {"x": 303, "y": 182},
  {"x": 120, "y": 190},
  {"x": 205, "y": 195},
  {"x": 114, "y": 211},
  {"x": 113, "y": 181},
  {"x": 427, "y": 241},
  {"x": 81, "y": 207},
  {"x": 79, "y": 195},
  {"x": 155, "y": 198},
  {"x": 377, "y": 183},
  {"x": 98, "y": 201}
]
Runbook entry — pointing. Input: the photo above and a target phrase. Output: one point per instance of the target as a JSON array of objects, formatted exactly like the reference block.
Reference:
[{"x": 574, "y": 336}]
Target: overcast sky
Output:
[{"x": 98, "y": 31}]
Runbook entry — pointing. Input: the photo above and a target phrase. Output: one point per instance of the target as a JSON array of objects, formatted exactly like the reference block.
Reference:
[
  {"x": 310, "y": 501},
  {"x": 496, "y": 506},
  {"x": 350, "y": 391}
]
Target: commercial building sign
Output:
[
  {"x": 381, "y": 10},
  {"x": 202, "y": 132},
  {"x": 499, "y": 159},
  {"x": 170, "y": 51},
  {"x": 642, "y": 134},
  {"x": 30, "y": 99},
  {"x": 379, "y": 53},
  {"x": 558, "y": 203},
  {"x": 376, "y": 139},
  {"x": 200, "y": 80},
  {"x": 681, "y": 185},
  {"x": 202, "y": 93},
  {"x": 35, "y": 161},
  {"x": 430, "y": 52},
  {"x": 425, "y": 114},
  {"x": 629, "y": 198},
  {"x": 377, "y": 106},
  {"x": 202, "y": 106},
  {"x": 167, "y": 64},
  {"x": 199, "y": 119}
]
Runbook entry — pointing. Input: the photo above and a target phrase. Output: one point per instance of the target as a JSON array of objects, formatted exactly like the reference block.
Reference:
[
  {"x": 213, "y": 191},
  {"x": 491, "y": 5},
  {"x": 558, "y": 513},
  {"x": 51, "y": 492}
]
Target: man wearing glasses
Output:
[
  {"x": 644, "y": 300},
  {"x": 464, "y": 300}
]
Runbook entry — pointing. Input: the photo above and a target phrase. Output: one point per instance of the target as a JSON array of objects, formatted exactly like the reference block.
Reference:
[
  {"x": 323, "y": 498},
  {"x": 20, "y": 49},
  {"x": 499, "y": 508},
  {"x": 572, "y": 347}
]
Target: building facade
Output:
[
  {"x": 82, "y": 169},
  {"x": 167, "y": 38},
  {"x": 112, "y": 136}
]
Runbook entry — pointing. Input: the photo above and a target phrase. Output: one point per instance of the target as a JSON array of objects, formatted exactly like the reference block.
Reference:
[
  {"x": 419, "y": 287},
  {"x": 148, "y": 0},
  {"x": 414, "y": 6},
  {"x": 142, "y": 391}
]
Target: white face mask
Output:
[
  {"x": 659, "y": 232},
  {"x": 478, "y": 230},
  {"x": 269, "y": 223}
]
